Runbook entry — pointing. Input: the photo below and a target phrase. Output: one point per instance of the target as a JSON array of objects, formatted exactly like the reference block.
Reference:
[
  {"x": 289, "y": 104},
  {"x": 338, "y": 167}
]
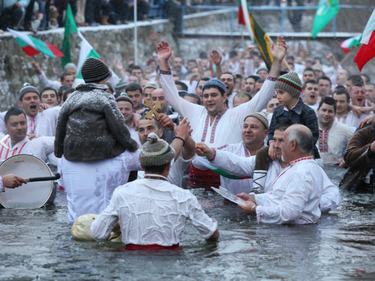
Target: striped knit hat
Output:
[
  {"x": 94, "y": 70},
  {"x": 261, "y": 116},
  {"x": 216, "y": 83},
  {"x": 155, "y": 152},
  {"x": 125, "y": 97},
  {"x": 290, "y": 83}
]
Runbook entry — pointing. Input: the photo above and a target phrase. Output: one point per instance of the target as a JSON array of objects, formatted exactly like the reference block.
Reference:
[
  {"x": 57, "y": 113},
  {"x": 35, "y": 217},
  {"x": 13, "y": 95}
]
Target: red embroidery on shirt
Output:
[
  {"x": 247, "y": 153},
  {"x": 323, "y": 140},
  {"x": 22, "y": 147},
  {"x": 217, "y": 119}
]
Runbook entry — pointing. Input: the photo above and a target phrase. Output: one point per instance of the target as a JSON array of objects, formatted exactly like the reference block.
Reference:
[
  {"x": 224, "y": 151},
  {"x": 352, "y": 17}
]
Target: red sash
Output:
[
  {"x": 203, "y": 178},
  {"x": 133, "y": 247}
]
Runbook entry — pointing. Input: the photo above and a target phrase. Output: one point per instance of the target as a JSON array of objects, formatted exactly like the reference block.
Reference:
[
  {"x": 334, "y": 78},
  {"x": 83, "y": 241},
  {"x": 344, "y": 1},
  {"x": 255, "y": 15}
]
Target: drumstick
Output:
[{"x": 55, "y": 177}]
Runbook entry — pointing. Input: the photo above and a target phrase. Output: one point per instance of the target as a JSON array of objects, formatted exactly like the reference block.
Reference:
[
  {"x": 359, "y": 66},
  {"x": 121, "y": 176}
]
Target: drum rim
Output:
[{"x": 51, "y": 188}]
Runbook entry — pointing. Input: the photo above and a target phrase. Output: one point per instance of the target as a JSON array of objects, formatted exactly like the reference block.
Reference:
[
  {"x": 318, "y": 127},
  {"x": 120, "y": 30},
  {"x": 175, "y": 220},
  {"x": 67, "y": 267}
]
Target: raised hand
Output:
[
  {"x": 278, "y": 50},
  {"x": 164, "y": 51},
  {"x": 119, "y": 65},
  {"x": 183, "y": 130},
  {"x": 216, "y": 57}
]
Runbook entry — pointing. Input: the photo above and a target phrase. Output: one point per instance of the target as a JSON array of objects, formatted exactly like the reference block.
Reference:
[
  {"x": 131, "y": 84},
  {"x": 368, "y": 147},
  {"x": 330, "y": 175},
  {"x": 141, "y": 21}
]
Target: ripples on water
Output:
[{"x": 37, "y": 245}]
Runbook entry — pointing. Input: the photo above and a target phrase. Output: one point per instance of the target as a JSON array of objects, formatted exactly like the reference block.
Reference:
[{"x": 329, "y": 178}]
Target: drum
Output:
[{"x": 32, "y": 194}]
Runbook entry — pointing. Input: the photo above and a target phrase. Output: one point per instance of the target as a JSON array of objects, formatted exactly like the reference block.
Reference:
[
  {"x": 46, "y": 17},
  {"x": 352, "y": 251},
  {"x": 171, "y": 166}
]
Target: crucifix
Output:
[{"x": 153, "y": 111}]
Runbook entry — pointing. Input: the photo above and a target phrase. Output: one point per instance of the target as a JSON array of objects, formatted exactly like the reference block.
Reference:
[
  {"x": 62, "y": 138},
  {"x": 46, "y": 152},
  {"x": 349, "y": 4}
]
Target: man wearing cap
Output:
[
  {"x": 157, "y": 209},
  {"x": 126, "y": 106},
  {"x": 38, "y": 123},
  {"x": 255, "y": 130},
  {"x": 91, "y": 138},
  {"x": 120, "y": 87},
  {"x": 213, "y": 123},
  {"x": 148, "y": 89}
]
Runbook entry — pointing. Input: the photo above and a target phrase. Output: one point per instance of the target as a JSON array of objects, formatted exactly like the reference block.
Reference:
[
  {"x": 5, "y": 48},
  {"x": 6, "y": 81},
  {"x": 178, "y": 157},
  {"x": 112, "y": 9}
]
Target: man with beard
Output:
[{"x": 333, "y": 135}]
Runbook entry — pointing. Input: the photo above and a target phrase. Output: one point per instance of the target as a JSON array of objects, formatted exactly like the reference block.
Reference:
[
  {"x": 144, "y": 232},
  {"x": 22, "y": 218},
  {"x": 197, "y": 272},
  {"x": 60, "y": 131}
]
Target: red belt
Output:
[
  {"x": 134, "y": 247},
  {"x": 203, "y": 178}
]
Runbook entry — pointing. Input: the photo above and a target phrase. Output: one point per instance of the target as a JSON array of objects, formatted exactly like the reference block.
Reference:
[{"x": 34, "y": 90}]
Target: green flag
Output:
[
  {"x": 327, "y": 9},
  {"x": 70, "y": 27}
]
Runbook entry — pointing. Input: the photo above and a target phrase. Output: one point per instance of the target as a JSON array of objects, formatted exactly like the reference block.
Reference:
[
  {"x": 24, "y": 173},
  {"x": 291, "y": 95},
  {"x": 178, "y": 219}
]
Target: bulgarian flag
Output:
[
  {"x": 203, "y": 161},
  {"x": 367, "y": 50},
  {"x": 349, "y": 44},
  {"x": 243, "y": 16},
  {"x": 33, "y": 46},
  {"x": 326, "y": 11},
  {"x": 87, "y": 51}
]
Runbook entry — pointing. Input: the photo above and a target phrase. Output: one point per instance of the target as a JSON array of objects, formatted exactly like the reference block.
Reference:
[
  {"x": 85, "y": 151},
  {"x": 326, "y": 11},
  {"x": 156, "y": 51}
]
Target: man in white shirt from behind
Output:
[{"x": 155, "y": 208}]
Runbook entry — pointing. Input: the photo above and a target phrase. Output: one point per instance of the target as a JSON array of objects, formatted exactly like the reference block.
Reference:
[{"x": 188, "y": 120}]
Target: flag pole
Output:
[
  {"x": 345, "y": 58},
  {"x": 135, "y": 34},
  {"x": 287, "y": 65}
]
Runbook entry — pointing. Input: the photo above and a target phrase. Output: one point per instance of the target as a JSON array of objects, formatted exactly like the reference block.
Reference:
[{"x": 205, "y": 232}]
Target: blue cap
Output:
[{"x": 216, "y": 83}]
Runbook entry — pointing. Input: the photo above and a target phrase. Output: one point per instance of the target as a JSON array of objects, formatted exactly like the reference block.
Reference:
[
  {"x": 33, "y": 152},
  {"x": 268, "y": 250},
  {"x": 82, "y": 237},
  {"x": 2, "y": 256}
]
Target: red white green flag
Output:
[
  {"x": 350, "y": 44},
  {"x": 33, "y": 46},
  {"x": 243, "y": 16},
  {"x": 367, "y": 50}
]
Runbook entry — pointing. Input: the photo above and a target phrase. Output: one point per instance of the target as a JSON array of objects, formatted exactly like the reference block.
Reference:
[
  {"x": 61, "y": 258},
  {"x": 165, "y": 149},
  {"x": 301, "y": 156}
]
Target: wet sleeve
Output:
[
  {"x": 233, "y": 164},
  {"x": 331, "y": 197},
  {"x": 201, "y": 221},
  {"x": 101, "y": 228}
]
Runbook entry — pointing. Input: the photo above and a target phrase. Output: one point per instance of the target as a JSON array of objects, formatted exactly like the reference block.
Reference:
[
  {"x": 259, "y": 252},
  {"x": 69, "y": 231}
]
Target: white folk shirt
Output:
[
  {"x": 41, "y": 147},
  {"x": 351, "y": 120},
  {"x": 44, "y": 123},
  {"x": 332, "y": 142},
  {"x": 244, "y": 166},
  {"x": 295, "y": 195},
  {"x": 233, "y": 185},
  {"x": 227, "y": 126},
  {"x": 89, "y": 185},
  {"x": 152, "y": 211}
]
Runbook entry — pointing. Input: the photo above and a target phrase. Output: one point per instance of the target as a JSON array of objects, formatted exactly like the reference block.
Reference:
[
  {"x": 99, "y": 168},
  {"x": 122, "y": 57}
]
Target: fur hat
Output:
[
  {"x": 27, "y": 88},
  {"x": 216, "y": 83},
  {"x": 94, "y": 70},
  {"x": 155, "y": 152},
  {"x": 290, "y": 83},
  {"x": 261, "y": 116}
]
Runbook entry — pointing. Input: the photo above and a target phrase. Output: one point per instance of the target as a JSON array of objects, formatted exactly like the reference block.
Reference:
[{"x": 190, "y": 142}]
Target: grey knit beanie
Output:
[
  {"x": 27, "y": 88},
  {"x": 261, "y": 116},
  {"x": 290, "y": 83},
  {"x": 94, "y": 70},
  {"x": 155, "y": 152}
]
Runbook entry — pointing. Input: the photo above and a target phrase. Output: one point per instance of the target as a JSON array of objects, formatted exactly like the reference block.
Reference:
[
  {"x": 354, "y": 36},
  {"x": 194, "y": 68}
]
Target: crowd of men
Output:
[{"x": 222, "y": 117}]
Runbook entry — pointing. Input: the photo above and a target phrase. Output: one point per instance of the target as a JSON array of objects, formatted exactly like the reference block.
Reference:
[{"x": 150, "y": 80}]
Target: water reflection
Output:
[{"x": 37, "y": 244}]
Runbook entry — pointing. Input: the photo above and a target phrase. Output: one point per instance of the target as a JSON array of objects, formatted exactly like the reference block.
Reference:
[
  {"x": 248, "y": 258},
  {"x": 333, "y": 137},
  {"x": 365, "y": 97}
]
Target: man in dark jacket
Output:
[
  {"x": 94, "y": 143},
  {"x": 360, "y": 157}
]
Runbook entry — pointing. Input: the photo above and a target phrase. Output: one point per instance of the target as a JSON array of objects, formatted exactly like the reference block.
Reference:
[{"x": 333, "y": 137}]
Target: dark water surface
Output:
[{"x": 37, "y": 245}]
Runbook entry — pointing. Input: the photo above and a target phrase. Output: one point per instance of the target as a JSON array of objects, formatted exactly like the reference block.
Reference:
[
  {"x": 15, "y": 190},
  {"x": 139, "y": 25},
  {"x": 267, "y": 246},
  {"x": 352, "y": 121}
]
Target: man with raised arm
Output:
[{"x": 213, "y": 123}]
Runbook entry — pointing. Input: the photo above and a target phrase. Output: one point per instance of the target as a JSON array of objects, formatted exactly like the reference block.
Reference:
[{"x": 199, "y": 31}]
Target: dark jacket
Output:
[
  {"x": 90, "y": 126},
  {"x": 359, "y": 158}
]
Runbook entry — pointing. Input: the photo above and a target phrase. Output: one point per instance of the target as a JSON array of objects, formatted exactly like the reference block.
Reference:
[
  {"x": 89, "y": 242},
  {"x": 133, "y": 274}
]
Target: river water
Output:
[{"x": 37, "y": 245}]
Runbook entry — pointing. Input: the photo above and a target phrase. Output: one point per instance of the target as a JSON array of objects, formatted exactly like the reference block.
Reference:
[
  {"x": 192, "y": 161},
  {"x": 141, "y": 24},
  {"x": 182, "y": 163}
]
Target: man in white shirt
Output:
[
  {"x": 19, "y": 143},
  {"x": 311, "y": 95},
  {"x": 38, "y": 123},
  {"x": 333, "y": 135},
  {"x": 213, "y": 123},
  {"x": 343, "y": 114},
  {"x": 255, "y": 130},
  {"x": 244, "y": 167},
  {"x": 297, "y": 191},
  {"x": 156, "y": 209}
]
